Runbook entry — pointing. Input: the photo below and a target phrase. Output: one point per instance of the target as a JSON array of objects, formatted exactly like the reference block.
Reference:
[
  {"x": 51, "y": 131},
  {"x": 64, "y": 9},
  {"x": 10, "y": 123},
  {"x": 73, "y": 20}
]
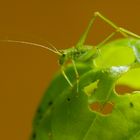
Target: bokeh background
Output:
[{"x": 26, "y": 71}]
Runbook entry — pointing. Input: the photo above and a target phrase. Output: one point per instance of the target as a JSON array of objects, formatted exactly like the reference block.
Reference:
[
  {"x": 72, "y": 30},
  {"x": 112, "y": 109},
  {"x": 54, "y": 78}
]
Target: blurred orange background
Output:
[{"x": 26, "y": 71}]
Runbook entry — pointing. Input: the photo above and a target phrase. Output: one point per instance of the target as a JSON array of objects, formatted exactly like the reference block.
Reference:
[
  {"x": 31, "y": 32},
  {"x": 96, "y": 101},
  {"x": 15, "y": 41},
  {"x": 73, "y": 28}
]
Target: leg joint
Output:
[
  {"x": 96, "y": 13},
  {"x": 119, "y": 29}
]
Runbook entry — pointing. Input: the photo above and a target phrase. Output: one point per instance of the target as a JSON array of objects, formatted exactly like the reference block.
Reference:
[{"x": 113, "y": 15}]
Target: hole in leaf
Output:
[
  {"x": 95, "y": 106},
  {"x": 107, "y": 108},
  {"x": 104, "y": 109},
  {"x": 123, "y": 89},
  {"x": 129, "y": 82},
  {"x": 91, "y": 88}
]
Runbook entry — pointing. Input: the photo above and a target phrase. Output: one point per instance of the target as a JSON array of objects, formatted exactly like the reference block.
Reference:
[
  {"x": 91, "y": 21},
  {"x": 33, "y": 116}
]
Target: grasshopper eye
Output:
[
  {"x": 62, "y": 59},
  {"x": 63, "y": 55}
]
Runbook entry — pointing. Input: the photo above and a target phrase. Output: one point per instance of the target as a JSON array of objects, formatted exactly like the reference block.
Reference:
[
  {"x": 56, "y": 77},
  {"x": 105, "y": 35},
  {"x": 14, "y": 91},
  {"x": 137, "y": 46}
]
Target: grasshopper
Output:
[{"x": 81, "y": 52}]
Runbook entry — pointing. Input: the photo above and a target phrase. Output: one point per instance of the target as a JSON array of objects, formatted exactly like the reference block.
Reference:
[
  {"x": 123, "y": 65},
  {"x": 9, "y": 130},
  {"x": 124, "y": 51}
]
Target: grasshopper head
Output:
[{"x": 62, "y": 58}]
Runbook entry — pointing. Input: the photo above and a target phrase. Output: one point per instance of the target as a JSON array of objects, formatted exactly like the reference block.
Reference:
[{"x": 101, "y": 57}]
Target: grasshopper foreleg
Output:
[
  {"x": 77, "y": 74},
  {"x": 65, "y": 76}
]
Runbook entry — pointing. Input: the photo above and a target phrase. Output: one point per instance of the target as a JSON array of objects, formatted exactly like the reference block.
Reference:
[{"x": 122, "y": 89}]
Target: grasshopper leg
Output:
[
  {"x": 65, "y": 76},
  {"x": 121, "y": 30},
  {"x": 77, "y": 74}
]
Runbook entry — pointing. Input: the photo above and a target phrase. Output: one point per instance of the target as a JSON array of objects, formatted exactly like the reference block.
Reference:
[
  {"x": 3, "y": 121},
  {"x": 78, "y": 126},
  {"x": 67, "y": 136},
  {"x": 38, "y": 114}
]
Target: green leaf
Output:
[
  {"x": 71, "y": 118},
  {"x": 135, "y": 45},
  {"x": 116, "y": 53},
  {"x": 131, "y": 79},
  {"x": 64, "y": 114},
  {"x": 57, "y": 86}
]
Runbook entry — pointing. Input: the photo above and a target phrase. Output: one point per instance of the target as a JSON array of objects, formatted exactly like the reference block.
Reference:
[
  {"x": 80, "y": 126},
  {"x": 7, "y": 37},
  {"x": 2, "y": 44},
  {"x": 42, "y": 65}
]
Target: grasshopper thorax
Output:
[{"x": 74, "y": 53}]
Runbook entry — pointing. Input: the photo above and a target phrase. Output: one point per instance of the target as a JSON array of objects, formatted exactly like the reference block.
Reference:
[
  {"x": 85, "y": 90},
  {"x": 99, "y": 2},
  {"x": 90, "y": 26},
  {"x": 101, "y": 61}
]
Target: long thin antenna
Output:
[
  {"x": 52, "y": 46},
  {"x": 34, "y": 44}
]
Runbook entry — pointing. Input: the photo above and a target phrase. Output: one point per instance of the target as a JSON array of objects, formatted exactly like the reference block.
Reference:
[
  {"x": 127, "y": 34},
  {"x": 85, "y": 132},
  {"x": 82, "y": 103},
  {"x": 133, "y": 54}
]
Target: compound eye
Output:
[
  {"x": 63, "y": 55},
  {"x": 62, "y": 59}
]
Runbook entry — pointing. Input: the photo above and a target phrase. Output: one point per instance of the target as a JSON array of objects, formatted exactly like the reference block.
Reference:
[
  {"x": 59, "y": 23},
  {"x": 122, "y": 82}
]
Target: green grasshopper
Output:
[{"x": 81, "y": 52}]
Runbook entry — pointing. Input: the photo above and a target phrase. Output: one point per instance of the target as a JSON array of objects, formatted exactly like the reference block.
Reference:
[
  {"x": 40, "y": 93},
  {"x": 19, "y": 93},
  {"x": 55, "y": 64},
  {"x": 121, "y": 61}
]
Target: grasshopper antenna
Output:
[
  {"x": 52, "y": 46},
  {"x": 53, "y": 49}
]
